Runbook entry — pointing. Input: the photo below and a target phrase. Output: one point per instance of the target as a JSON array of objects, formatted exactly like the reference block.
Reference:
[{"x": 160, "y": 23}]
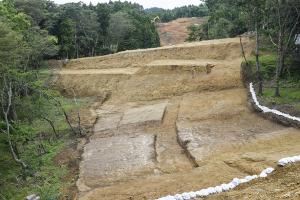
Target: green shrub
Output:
[{"x": 268, "y": 66}]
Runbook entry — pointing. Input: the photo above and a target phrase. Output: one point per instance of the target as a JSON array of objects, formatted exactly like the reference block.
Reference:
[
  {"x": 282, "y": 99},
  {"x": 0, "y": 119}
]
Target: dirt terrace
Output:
[{"x": 170, "y": 125}]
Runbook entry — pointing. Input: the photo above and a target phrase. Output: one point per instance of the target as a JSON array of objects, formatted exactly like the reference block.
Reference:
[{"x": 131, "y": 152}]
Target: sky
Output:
[{"x": 166, "y": 4}]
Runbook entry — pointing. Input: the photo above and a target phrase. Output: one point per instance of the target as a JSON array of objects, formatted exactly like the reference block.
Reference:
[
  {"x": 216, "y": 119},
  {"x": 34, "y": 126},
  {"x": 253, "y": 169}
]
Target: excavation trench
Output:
[{"x": 170, "y": 125}]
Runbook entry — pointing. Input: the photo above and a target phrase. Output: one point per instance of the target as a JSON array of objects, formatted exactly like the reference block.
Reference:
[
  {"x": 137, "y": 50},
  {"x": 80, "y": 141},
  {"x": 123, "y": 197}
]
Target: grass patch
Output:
[
  {"x": 46, "y": 178},
  {"x": 289, "y": 96}
]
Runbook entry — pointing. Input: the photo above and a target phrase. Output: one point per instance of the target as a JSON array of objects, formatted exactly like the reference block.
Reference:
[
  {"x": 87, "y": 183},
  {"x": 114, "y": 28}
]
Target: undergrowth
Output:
[{"x": 43, "y": 177}]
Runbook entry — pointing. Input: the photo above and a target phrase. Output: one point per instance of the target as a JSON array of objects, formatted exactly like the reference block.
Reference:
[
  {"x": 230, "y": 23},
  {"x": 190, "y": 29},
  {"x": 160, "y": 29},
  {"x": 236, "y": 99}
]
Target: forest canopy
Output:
[
  {"x": 180, "y": 12},
  {"x": 87, "y": 30}
]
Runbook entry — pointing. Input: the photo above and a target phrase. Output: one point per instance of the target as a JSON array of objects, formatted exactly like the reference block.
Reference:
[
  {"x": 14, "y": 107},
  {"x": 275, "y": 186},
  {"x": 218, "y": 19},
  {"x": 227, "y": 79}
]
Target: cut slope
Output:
[
  {"x": 156, "y": 78},
  {"x": 175, "y": 32}
]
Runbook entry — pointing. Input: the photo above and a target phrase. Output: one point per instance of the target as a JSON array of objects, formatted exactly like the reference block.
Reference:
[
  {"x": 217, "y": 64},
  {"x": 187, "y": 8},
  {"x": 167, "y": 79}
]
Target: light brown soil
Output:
[
  {"x": 284, "y": 184},
  {"x": 176, "y": 32},
  {"x": 208, "y": 133},
  {"x": 127, "y": 71}
]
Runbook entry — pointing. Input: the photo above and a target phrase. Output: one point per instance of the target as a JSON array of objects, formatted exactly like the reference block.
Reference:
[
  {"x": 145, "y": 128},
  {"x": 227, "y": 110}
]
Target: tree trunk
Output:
[
  {"x": 280, "y": 61},
  {"x": 258, "y": 74},
  {"x": 278, "y": 70},
  {"x": 68, "y": 121},
  {"x": 76, "y": 43},
  {"x": 243, "y": 51},
  {"x": 7, "y": 122}
]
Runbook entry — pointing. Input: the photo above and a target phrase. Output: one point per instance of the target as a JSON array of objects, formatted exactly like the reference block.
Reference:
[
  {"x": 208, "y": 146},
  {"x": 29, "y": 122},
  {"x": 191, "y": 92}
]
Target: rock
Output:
[{"x": 33, "y": 197}]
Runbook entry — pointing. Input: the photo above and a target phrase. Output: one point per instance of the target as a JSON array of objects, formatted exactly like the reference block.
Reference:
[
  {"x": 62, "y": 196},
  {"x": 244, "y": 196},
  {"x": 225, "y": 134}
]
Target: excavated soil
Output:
[
  {"x": 284, "y": 184},
  {"x": 172, "y": 123},
  {"x": 176, "y": 32}
]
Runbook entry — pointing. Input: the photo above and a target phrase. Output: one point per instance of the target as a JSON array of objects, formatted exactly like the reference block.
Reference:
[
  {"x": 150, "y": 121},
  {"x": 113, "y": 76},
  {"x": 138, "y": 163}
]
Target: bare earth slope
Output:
[
  {"x": 175, "y": 32},
  {"x": 172, "y": 125}
]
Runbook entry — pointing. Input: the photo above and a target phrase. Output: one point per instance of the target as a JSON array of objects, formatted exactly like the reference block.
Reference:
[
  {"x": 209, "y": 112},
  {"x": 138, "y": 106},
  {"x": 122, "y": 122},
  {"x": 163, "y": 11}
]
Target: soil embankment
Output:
[{"x": 172, "y": 124}]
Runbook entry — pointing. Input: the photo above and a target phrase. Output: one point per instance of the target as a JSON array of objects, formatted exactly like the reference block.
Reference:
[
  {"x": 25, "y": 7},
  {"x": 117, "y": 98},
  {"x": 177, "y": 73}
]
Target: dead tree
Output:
[
  {"x": 58, "y": 104},
  {"x": 66, "y": 117},
  {"x": 51, "y": 123},
  {"x": 6, "y": 107}
]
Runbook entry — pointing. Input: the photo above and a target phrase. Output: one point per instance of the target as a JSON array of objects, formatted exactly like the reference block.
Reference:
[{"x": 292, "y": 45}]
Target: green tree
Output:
[
  {"x": 40, "y": 46},
  {"x": 65, "y": 34},
  {"x": 283, "y": 20}
]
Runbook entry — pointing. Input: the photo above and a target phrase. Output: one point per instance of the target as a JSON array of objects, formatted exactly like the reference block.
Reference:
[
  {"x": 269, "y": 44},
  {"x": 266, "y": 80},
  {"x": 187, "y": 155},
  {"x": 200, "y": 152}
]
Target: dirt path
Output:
[{"x": 171, "y": 126}]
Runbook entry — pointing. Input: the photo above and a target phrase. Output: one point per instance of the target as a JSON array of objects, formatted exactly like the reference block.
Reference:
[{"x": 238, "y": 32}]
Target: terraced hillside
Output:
[{"x": 176, "y": 119}]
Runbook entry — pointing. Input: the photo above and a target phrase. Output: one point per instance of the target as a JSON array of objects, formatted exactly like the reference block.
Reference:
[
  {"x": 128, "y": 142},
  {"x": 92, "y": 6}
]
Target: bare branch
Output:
[
  {"x": 52, "y": 126},
  {"x": 243, "y": 51},
  {"x": 271, "y": 39}
]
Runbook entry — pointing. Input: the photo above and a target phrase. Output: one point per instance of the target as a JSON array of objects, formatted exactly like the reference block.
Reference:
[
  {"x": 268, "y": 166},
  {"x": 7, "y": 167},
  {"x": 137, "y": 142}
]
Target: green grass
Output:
[
  {"x": 268, "y": 65},
  {"x": 46, "y": 180},
  {"x": 288, "y": 96},
  {"x": 289, "y": 82}
]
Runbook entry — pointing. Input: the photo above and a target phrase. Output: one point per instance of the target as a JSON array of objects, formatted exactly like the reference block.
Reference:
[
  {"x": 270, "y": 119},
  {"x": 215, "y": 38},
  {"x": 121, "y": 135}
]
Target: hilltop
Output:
[{"x": 176, "y": 32}]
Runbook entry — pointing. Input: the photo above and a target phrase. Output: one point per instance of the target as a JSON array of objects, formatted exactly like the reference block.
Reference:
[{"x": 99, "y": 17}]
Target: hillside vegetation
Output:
[{"x": 275, "y": 26}]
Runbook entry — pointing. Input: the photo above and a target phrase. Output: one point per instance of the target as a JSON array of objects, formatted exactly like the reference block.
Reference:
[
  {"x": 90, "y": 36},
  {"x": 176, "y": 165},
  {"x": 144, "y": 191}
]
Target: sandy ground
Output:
[
  {"x": 175, "y": 32},
  {"x": 127, "y": 71},
  {"x": 170, "y": 126}
]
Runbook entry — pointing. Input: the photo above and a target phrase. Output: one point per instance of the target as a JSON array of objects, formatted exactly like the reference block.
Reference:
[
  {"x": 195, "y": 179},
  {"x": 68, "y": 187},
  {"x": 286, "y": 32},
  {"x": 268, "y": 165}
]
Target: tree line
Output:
[
  {"x": 275, "y": 25},
  {"x": 179, "y": 12},
  {"x": 86, "y": 30}
]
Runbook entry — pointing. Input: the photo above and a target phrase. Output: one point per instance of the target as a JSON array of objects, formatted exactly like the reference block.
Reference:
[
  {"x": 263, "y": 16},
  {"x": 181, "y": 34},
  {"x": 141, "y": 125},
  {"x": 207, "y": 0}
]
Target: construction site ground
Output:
[{"x": 176, "y": 119}]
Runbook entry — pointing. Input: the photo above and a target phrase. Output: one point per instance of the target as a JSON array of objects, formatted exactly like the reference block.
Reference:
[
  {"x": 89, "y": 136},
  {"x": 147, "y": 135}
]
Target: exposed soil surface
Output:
[
  {"x": 171, "y": 125},
  {"x": 176, "y": 32},
  {"x": 284, "y": 184}
]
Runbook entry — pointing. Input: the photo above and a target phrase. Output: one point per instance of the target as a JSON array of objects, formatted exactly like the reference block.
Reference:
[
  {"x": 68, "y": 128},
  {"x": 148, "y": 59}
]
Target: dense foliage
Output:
[
  {"x": 185, "y": 11},
  {"x": 87, "y": 30}
]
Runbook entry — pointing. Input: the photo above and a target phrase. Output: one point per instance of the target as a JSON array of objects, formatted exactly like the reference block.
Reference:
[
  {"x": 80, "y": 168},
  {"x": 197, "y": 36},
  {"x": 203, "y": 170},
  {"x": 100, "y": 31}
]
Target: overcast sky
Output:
[{"x": 167, "y": 4}]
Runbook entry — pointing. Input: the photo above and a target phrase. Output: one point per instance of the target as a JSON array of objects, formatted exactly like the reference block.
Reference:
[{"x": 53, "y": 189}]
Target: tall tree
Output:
[{"x": 283, "y": 21}]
